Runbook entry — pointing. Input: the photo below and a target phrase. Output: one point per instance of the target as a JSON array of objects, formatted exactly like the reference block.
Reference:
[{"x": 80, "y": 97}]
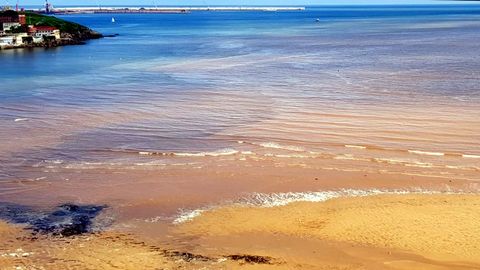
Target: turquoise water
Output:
[{"x": 394, "y": 79}]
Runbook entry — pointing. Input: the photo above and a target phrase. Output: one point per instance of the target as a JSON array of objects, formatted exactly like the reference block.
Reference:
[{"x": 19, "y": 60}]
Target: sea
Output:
[{"x": 177, "y": 112}]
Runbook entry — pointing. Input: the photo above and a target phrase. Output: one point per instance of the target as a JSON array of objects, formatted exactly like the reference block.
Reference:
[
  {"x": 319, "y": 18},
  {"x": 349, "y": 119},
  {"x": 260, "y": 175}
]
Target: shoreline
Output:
[
  {"x": 375, "y": 232},
  {"x": 59, "y": 43}
]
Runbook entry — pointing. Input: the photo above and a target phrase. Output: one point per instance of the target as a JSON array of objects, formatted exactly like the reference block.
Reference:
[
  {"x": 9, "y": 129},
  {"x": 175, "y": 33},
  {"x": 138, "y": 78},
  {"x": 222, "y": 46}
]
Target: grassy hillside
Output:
[
  {"x": 64, "y": 26},
  {"x": 68, "y": 29}
]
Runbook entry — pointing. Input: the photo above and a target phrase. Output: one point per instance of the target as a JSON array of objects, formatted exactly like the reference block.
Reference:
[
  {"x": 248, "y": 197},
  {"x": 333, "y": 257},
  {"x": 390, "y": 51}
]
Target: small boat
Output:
[
  {"x": 317, "y": 20},
  {"x": 113, "y": 19}
]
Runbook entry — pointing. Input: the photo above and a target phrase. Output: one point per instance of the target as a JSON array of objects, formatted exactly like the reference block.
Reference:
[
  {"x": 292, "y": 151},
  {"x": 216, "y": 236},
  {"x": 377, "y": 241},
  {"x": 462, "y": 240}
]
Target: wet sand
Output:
[{"x": 375, "y": 232}]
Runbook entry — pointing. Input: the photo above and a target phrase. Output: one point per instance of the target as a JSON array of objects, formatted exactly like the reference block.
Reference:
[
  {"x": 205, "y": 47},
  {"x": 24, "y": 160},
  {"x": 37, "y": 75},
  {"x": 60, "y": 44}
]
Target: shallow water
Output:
[{"x": 180, "y": 109}]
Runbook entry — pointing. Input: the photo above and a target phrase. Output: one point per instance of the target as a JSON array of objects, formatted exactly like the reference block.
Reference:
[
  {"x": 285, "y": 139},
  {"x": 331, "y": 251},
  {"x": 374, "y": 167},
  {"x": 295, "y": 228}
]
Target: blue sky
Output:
[{"x": 220, "y": 2}]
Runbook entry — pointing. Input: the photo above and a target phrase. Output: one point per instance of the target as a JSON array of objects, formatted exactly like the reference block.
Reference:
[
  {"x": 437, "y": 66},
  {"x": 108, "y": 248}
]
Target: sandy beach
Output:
[{"x": 376, "y": 232}]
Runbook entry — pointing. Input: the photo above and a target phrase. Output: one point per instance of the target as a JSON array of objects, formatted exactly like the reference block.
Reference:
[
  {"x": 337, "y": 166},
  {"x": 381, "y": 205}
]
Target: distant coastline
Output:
[{"x": 100, "y": 10}]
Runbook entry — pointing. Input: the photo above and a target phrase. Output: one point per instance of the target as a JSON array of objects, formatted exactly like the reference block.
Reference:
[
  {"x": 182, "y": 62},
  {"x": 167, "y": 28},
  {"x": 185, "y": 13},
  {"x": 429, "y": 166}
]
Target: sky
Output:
[{"x": 219, "y": 2}]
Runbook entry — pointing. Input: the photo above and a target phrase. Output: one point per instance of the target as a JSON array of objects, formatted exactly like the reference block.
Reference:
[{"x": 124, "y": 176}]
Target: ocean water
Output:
[{"x": 382, "y": 89}]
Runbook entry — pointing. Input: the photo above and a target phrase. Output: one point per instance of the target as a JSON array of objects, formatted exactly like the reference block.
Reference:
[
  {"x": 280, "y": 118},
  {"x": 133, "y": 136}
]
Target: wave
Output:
[
  {"x": 145, "y": 153},
  {"x": 355, "y": 146},
  {"x": 406, "y": 163},
  {"x": 311, "y": 154},
  {"x": 390, "y": 161},
  {"x": 465, "y": 168},
  {"x": 274, "y": 145},
  {"x": 420, "y": 165},
  {"x": 350, "y": 157},
  {"x": 20, "y": 119},
  {"x": 282, "y": 199},
  {"x": 293, "y": 156},
  {"x": 418, "y": 152},
  {"x": 221, "y": 152}
]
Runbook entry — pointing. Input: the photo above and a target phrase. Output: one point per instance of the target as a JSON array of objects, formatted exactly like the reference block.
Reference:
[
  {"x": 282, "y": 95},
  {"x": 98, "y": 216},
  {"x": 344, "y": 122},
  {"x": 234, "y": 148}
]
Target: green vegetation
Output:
[
  {"x": 18, "y": 29},
  {"x": 64, "y": 26},
  {"x": 68, "y": 29}
]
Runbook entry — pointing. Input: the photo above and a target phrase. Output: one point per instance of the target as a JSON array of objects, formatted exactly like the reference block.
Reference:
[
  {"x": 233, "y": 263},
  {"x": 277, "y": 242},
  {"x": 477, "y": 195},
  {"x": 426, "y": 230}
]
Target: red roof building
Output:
[
  {"x": 44, "y": 28},
  {"x": 44, "y": 31}
]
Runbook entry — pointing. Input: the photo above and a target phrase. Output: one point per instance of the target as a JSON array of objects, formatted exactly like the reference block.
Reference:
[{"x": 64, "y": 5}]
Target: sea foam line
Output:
[
  {"x": 418, "y": 152},
  {"x": 274, "y": 145},
  {"x": 20, "y": 119},
  {"x": 221, "y": 152},
  {"x": 188, "y": 215},
  {"x": 281, "y": 199},
  {"x": 355, "y": 146}
]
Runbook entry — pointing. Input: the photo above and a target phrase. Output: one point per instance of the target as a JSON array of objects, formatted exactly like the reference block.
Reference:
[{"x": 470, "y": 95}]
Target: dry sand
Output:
[
  {"x": 391, "y": 232},
  {"x": 378, "y": 232}
]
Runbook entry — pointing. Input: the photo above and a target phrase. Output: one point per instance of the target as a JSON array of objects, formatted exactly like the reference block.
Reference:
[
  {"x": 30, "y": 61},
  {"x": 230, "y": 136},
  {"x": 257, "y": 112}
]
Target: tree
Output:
[{"x": 17, "y": 29}]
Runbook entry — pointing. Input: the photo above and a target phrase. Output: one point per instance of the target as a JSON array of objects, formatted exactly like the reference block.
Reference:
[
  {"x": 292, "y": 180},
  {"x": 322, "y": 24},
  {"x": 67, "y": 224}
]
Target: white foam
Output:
[
  {"x": 465, "y": 168},
  {"x": 390, "y": 160},
  {"x": 418, "y": 152},
  {"x": 350, "y": 157},
  {"x": 471, "y": 156},
  {"x": 355, "y": 146},
  {"x": 188, "y": 215},
  {"x": 146, "y": 153},
  {"x": 345, "y": 157},
  {"x": 18, "y": 253},
  {"x": 20, "y": 119},
  {"x": 293, "y": 156},
  {"x": 281, "y": 199},
  {"x": 152, "y": 163},
  {"x": 279, "y": 146},
  {"x": 221, "y": 152},
  {"x": 420, "y": 165},
  {"x": 156, "y": 219}
]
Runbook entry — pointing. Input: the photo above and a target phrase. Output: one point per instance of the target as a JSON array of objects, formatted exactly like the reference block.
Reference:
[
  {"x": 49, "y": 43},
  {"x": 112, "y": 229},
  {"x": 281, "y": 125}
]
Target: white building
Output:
[
  {"x": 7, "y": 41},
  {"x": 46, "y": 31},
  {"x": 9, "y": 25},
  {"x": 13, "y": 40}
]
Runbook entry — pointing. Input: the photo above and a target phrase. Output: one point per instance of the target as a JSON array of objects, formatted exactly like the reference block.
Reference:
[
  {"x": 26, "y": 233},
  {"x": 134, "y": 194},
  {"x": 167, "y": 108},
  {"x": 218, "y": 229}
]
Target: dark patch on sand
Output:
[
  {"x": 64, "y": 220},
  {"x": 186, "y": 256},
  {"x": 189, "y": 257},
  {"x": 253, "y": 259}
]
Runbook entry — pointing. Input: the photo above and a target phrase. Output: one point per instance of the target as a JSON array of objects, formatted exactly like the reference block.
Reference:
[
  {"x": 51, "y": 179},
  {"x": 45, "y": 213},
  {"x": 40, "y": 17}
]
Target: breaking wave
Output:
[
  {"x": 221, "y": 152},
  {"x": 274, "y": 145}
]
